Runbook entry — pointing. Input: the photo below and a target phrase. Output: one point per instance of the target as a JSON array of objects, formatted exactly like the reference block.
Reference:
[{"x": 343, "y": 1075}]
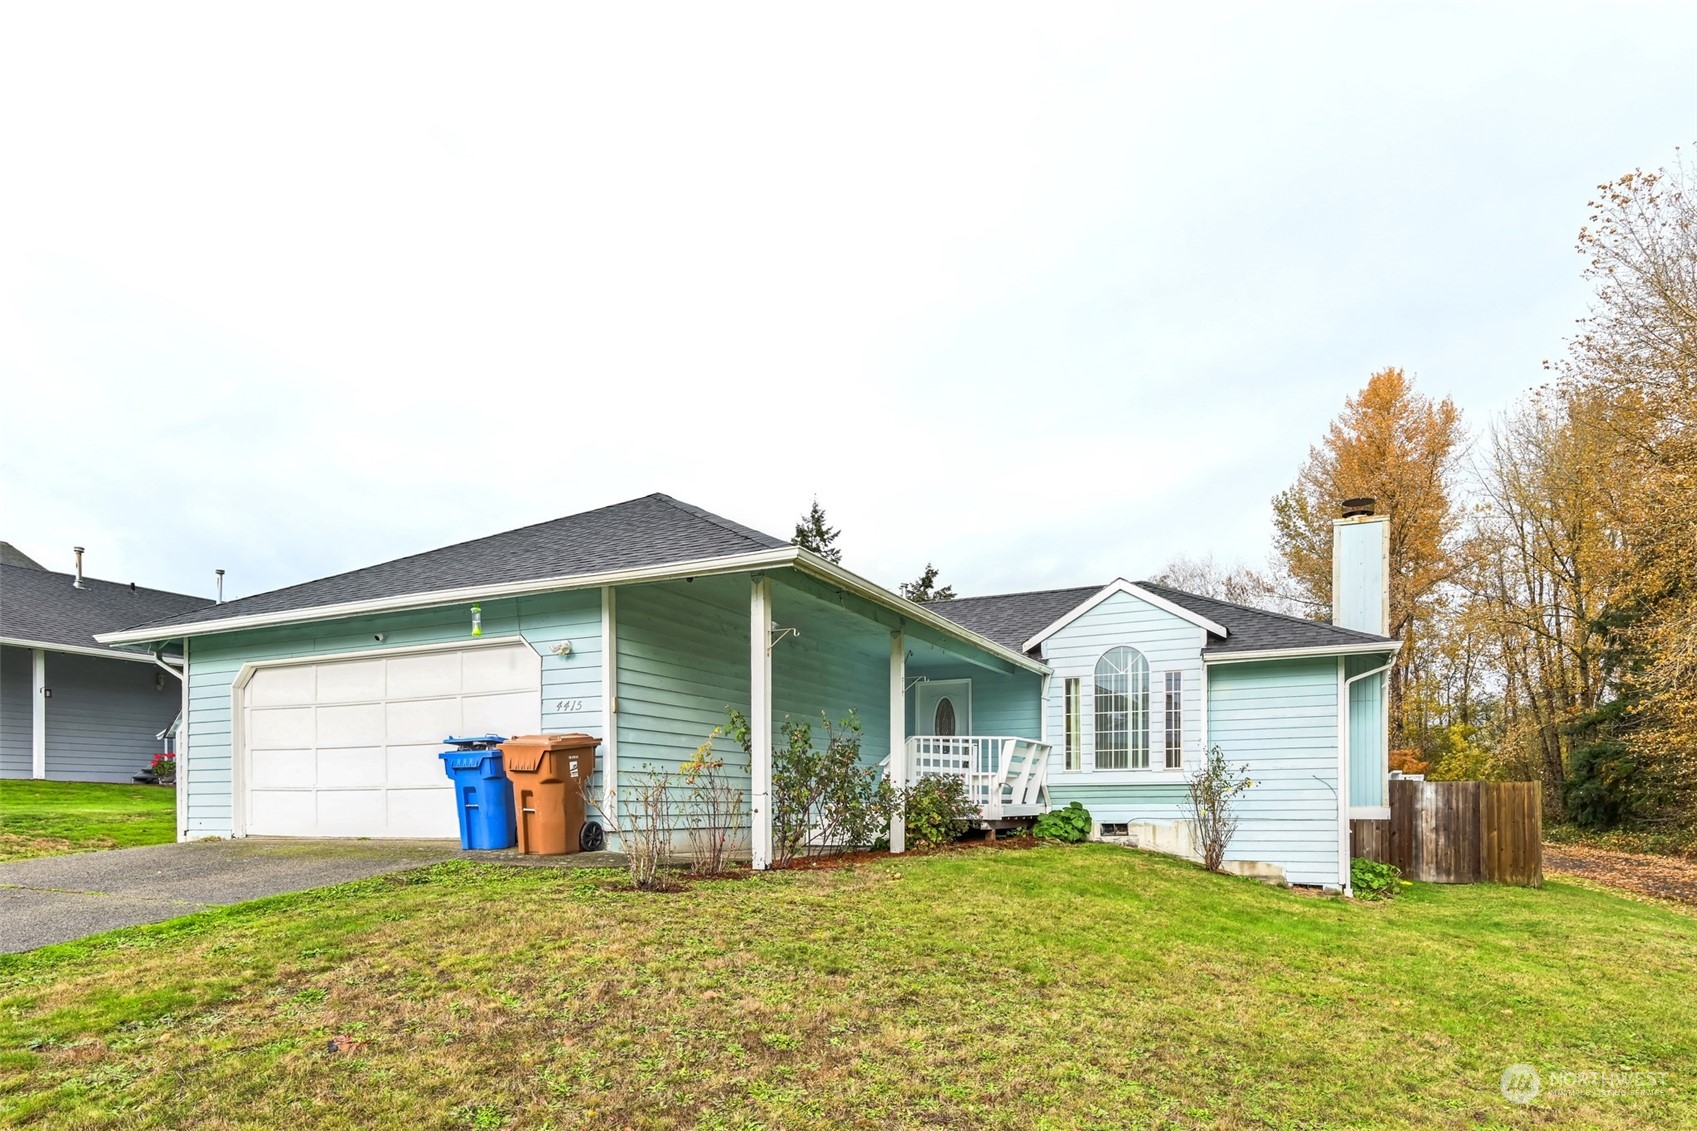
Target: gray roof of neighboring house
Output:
[
  {"x": 12, "y": 556},
  {"x": 1013, "y": 618},
  {"x": 654, "y": 530},
  {"x": 47, "y": 608}
]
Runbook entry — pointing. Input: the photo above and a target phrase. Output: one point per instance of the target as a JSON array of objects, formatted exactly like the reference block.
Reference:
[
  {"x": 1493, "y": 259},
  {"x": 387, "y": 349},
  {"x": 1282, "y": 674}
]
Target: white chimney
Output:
[
  {"x": 78, "y": 550},
  {"x": 1361, "y": 568}
]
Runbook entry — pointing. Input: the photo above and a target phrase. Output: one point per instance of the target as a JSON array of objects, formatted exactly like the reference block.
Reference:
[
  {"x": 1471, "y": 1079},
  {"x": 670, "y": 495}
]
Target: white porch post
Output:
[
  {"x": 183, "y": 751},
  {"x": 898, "y": 736},
  {"x": 610, "y": 707},
  {"x": 38, "y": 720},
  {"x": 760, "y": 719}
]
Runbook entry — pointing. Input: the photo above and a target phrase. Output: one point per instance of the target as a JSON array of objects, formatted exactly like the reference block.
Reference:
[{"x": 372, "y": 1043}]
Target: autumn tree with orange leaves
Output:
[{"x": 1401, "y": 448}]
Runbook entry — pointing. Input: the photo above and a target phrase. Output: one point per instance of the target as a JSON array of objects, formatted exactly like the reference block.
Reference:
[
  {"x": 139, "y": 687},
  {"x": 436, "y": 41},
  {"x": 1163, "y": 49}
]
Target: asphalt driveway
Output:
[{"x": 59, "y": 898}]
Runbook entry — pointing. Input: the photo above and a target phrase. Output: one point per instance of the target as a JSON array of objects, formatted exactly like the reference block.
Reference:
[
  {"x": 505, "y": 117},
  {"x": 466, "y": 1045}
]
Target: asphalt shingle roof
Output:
[
  {"x": 1010, "y": 619},
  {"x": 44, "y": 607},
  {"x": 12, "y": 556},
  {"x": 1013, "y": 618},
  {"x": 651, "y": 531}
]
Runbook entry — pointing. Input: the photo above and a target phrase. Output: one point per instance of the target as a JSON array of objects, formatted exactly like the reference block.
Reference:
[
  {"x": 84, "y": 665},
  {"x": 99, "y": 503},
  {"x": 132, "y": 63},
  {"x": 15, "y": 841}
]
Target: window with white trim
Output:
[
  {"x": 1122, "y": 710},
  {"x": 1074, "y": 748},
  {"x": 1175, "y": 720}
]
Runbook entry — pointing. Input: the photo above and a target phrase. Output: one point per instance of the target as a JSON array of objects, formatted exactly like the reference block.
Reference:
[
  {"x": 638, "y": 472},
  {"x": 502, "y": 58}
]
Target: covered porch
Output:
[{"x": 948, "y": 708}]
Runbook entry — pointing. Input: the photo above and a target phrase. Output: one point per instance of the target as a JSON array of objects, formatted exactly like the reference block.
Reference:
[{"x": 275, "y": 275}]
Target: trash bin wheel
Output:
[{"x": 592, "y": 838}]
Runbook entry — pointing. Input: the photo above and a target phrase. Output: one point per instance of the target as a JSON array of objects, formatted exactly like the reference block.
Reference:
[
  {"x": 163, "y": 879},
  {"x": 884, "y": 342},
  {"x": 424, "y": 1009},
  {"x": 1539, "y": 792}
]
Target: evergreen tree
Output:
[
  {"x": 814, "y": 533},
  {"x": 924, "y": 590}
]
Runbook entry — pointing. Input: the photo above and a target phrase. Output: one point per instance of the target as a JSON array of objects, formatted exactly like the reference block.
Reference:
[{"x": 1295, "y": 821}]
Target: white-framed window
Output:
[
  {"x": 1122, "y": 710},
  {"x": 1175, "y": 720},
  {"x": 1074, "y": 748}
]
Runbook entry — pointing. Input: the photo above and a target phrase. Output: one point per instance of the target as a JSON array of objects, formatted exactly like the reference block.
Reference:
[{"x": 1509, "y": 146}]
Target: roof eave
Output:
[
  {"x": 74, "y": 649},
  {"x": 1360, "y": 648}
]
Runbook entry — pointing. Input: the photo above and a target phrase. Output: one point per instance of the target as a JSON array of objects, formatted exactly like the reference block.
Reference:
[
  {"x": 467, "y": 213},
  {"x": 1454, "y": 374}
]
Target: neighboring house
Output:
[
  {"x": 318, "y": 710},
  {"x": 72, "y": 709}
]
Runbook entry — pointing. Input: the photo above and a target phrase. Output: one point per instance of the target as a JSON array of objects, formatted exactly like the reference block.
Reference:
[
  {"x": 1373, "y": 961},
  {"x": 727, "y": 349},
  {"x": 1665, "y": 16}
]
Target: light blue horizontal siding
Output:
[
  {"x": 1002, "y": 704},
  {"x": 543, "y": 621},
  {"x": 1369, "y": 754},
  {"x": 1280, "y": 719}
]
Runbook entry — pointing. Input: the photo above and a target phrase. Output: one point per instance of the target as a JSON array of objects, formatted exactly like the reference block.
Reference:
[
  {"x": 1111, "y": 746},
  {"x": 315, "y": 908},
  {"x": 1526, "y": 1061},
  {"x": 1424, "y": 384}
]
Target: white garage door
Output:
[{"x": 349, "y": 747}]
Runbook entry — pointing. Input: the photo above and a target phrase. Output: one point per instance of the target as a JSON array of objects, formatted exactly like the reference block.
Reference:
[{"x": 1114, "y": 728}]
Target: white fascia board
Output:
[
  {"x": 1367, "y": 648},
  {"x": 809, "y": 562},
  {"x": 1121, "y": 585},
  {"x": 735, "y": 563},
  {"x": 78, "y": 650}
]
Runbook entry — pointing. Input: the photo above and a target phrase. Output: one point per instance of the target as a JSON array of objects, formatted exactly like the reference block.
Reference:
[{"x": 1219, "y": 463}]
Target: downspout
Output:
[
  {"x": 182, "y": 750},
  {"x": 1343, "y": 764}
]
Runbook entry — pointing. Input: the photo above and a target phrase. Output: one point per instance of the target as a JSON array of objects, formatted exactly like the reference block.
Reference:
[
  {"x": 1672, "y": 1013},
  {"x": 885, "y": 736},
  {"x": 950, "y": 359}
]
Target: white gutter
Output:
[
  {"x": 805, "y": 560},
  {"x": 75, "y": 649},
  {"x": 1344, "y": 683},
  {"x": 1368, "y": 648}
]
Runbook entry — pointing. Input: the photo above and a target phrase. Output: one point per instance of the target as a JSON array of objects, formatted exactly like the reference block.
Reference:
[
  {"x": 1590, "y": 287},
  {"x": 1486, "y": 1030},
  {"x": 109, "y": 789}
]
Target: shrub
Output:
[
  {"x": 643, "y": 816},
  {"x": 715, "y": 809},
  {"x": 821, "y": 798},
  {"x": 938, "y": 809},
  {"x": 1212, "y": 790},
  {"x": 1373, "y": 880},
  {"x": 1070, "y": 825}
]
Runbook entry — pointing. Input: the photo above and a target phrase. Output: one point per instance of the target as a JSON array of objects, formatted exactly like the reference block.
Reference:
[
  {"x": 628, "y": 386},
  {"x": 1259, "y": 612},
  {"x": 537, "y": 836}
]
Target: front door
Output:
[{"x": 944, "y": 708}]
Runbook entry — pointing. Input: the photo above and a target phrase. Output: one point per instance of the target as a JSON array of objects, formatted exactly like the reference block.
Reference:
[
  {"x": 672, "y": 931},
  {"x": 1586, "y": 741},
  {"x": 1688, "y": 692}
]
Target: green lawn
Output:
[
  {"x": 43, "y": 818},
  {"x": 1047, "y": 988}
]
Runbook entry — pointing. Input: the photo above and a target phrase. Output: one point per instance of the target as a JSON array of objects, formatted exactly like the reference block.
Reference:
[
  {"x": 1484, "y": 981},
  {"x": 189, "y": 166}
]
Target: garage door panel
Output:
[
  {"x": 269, "y": 687},
  {"x": 359, "y": 681},
  {"x": 285, "y": 769},
  {"x": 349, "y": 747},
  {"x": 414, "y": 766},
  {"x": 499, "y": 669},
  {"x": 423, "y": 812},
  {"x": 356, "y": 724},
  {"x": 283, "y": 812},
  {"x": 434, "y": 673},
  {"x": 422, "y": 721},
  {"x": 358, "y": 767},
  {"x": 517, "y": 712},
  {"x": 281, "y": 728},
  {"x": 348, "y": 812}
]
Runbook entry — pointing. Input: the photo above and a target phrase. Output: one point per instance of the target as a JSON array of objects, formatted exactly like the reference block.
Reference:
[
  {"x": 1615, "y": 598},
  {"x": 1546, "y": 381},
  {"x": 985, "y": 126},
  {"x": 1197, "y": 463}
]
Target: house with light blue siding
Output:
[
  {"x": 318, "y": 709},
  {"x": 72, "y": 709}
]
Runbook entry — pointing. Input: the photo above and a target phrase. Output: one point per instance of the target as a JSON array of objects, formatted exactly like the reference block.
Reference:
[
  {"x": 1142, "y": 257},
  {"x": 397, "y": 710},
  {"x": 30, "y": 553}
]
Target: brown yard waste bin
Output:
[{"x": 549, "y": 773}]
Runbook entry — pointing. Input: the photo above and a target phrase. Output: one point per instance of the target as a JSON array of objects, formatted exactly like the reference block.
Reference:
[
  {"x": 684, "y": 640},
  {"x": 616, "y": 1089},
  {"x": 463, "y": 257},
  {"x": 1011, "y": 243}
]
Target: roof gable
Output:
[{"x": 1121, "y": 585}]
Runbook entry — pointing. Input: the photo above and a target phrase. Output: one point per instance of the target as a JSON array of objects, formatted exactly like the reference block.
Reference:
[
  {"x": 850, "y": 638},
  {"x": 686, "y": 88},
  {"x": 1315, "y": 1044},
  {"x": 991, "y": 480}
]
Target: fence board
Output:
[{"x": 1459, "y": 832}]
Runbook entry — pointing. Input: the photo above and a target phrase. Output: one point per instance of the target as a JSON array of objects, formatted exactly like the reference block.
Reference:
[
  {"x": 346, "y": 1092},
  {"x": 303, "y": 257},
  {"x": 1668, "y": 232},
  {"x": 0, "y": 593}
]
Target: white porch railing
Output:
[{"x": 1007, "y": 777}]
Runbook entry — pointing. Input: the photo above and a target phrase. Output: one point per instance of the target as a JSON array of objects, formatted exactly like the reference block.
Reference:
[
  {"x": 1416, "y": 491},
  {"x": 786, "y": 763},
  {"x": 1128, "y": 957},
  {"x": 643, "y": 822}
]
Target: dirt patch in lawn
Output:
[{"x": 1661, "y": 877}]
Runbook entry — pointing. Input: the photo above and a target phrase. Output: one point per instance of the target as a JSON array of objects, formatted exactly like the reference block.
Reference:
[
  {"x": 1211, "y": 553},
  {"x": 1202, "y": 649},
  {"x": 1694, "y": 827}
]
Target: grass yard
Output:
[
  {"x": 1043, "y": 988},
  {"x": 45, "y": 818}
]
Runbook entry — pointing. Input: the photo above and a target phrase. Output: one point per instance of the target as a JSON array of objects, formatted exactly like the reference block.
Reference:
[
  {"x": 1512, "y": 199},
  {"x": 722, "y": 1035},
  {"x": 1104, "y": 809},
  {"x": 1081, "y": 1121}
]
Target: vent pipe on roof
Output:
[
  {"x": 220, "y": 574},
  {"x": 78, "y": 550}
]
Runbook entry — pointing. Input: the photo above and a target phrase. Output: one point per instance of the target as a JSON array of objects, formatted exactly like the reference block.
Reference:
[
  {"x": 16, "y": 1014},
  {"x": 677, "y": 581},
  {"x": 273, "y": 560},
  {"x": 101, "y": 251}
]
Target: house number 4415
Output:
[{"x": 566, "y": 705}]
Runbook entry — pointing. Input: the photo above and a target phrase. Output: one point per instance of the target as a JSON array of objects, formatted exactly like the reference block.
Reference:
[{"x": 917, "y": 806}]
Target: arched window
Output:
[{"x": 1122, "y": 710}]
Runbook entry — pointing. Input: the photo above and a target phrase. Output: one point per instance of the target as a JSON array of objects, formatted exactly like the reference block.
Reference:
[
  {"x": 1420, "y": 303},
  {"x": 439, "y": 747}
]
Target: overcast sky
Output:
[{"x": 1043, "y": 294}]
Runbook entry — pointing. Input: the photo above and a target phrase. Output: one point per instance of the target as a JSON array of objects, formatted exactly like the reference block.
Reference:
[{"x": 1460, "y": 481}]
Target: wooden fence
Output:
[{"x": 1459, "y": 832}]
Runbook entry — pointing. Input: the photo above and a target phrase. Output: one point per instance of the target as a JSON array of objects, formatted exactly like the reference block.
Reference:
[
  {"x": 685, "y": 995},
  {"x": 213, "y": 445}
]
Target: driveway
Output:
[{"x": 59, "y": 898}]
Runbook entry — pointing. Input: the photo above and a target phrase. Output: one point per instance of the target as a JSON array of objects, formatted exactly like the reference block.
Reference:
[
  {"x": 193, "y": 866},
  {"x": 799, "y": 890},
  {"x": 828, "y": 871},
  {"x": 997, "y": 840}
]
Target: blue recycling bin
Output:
[{"x": 482, "y": 792}]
